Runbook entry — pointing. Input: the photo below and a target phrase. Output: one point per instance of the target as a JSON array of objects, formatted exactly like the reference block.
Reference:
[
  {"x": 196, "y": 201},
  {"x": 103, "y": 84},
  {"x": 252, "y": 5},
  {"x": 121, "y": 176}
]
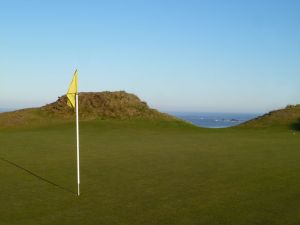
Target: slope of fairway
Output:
[{"x": 149, "y": 173}]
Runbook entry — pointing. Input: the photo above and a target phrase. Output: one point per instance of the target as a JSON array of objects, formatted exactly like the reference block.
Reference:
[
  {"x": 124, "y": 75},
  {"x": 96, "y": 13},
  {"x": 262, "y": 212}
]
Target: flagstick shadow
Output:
[{"x": 37, "y": 176}]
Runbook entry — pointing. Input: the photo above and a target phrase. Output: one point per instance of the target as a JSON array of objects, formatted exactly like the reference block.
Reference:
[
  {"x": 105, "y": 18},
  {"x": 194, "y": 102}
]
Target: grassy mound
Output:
[
  {"x": 116, "y": 105},
  {"x": 92, "y": 105},
  {"x": 289, "y": 117}
]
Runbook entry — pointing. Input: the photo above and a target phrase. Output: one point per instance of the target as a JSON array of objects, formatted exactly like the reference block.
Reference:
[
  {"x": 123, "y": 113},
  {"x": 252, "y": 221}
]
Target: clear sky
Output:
[{"x": 204, "y": 55}]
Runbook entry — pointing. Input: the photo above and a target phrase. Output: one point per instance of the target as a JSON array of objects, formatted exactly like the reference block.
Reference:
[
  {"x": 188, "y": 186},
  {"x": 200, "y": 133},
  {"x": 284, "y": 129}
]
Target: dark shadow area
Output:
[
  {"x": 37, "y": 176},
  {"x": 296, "y": 125}
]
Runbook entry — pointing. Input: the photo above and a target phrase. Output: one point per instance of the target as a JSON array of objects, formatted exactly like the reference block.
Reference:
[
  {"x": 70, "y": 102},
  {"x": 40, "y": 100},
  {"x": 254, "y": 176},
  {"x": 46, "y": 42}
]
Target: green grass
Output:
[{"x": 150, "y": 173}]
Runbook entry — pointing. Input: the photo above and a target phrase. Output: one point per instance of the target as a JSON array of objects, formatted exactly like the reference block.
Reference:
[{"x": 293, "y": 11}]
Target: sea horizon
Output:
[
  {"x": 215, "y": 119},
  {"x": 7, "y": 109}
]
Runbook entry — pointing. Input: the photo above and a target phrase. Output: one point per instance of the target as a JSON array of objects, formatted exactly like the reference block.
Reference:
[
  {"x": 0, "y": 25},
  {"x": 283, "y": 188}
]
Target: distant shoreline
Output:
[
  {"x": 215, "y": 120},
  {"x": 202, "y": 119}
]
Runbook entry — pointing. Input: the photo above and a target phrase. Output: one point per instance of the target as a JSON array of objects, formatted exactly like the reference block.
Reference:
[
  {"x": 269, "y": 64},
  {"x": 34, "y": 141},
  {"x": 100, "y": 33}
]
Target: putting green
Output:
[{"x": 149, "y": 173}]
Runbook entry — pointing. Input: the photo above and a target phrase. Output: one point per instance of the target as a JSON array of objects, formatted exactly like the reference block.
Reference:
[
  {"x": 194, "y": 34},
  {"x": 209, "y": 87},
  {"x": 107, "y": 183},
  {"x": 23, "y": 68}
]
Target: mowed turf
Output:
[{"x": 150, "y": 173}]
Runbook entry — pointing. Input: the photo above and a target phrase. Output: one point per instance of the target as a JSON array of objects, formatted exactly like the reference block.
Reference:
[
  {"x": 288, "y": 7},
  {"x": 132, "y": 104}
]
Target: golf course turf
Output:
[{"x": 149, "y": 173}]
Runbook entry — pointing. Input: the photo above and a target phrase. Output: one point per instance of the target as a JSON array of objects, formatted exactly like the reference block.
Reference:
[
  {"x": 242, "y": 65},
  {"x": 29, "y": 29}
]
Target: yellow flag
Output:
[{"x": 73, "y": 91}]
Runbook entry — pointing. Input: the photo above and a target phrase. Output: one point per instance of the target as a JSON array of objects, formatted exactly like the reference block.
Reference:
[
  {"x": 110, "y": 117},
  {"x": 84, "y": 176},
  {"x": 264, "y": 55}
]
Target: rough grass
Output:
[
  {"x": 150, "y": 173},
  {"x": 106, "y": 105},
  {"x": 288, "y": 117}
]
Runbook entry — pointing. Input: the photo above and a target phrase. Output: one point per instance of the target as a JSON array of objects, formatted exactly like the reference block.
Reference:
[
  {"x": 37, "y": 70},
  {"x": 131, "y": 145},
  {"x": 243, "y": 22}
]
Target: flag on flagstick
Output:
[
  {"x": 72, "y": 96},
  {"x": 73, "y": 91}
]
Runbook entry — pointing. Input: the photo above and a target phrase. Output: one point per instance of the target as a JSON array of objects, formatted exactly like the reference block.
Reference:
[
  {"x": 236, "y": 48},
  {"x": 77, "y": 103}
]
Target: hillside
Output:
[
  {"x": 92, "y": 105},
  {"x": 289, "y": 116}
]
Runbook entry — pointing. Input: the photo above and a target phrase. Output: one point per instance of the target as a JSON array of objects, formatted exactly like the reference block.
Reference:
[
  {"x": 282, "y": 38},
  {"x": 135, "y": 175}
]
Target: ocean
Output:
[
  {"x": 6, "y": 109},
  {"x": 214, "y": 120}
]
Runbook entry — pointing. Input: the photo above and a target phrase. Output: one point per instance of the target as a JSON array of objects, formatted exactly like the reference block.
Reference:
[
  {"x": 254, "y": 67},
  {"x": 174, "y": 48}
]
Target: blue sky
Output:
[{"x": 205, "y": 56}]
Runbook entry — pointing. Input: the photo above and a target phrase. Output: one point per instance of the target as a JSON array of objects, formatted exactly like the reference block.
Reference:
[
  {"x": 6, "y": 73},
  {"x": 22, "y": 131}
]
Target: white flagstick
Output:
[{"x": 77, "y": 135}]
